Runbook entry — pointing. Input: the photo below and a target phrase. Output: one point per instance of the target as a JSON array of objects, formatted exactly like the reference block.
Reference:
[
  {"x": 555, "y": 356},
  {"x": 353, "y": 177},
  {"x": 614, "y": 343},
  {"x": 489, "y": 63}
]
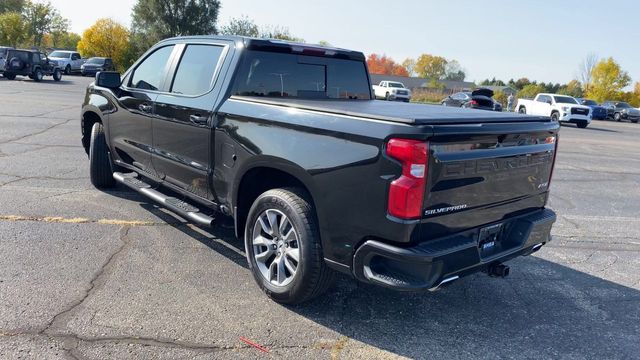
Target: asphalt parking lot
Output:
[{"x": 94, "y": 275}]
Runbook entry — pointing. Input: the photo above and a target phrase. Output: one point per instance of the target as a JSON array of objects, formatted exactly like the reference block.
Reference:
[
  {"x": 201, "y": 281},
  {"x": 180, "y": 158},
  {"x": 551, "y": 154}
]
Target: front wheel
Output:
[
  {"x": 38, "y": 75},
  {"x": 617, "y": 117},
  {"x": 283, "y": 247},
  {"x": 67, "y": 70},
  {"x": 99, "y": 163},
  {"x": 555, "y": 116},
  {"x": 57, "y": 75},
  {"x": 583, "y": 124},
  {"x": 522, "y": 110}
]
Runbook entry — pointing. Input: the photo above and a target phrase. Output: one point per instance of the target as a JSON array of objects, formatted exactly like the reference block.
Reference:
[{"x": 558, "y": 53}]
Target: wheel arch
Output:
[
  {"x": 262, "y": 176},
  {"x": 89, "y": 117}
]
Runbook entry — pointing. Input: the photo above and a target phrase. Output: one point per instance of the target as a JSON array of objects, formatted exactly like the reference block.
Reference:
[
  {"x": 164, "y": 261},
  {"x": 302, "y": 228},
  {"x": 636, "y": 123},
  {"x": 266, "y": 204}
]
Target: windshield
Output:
[
  {"x": 60, "y": 54},
  {"x": 589, "y": 102},
  {"x": 95, "y": 61},
  {"x": 623, "y": 105},
  {"x": 396, "y": 85},
  {"x": 565, "y": 100},
  {"x": 3, "y": 52},
  {"x": 270, "y": 74}
]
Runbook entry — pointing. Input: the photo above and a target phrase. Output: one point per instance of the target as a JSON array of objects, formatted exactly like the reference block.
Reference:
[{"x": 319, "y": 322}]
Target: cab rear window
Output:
[{"x": 269, "y": 74}]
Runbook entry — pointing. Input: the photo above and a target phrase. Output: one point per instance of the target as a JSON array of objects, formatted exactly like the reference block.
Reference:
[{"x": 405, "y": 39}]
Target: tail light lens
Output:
[
  {"x": 406, "y": 193},
  {"x": 554, "y": 140},
  {"x": 473, "y": 103}
]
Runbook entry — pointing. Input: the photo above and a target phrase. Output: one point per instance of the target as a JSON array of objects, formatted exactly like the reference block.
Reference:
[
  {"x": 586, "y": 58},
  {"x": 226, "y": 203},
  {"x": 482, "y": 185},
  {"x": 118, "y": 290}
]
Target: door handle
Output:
[
  {"x": 199, "y": 120},
  {"x": 145, "y": 108}
]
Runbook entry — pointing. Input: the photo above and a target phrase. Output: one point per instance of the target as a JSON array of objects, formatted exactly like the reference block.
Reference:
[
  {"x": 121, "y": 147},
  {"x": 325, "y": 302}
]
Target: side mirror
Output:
[{"x": 108, "y": 79}]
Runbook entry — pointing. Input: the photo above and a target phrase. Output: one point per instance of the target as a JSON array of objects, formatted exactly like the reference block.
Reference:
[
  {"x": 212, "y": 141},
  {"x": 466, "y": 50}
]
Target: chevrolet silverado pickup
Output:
[
  {"x": 287, "y": 141},
  {"x": 561, "y": 108}
]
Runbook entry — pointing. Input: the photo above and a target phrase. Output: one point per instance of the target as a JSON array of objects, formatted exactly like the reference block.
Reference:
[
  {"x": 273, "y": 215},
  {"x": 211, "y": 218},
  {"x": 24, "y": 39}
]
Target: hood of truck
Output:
[{"x": 407, "y": 113}]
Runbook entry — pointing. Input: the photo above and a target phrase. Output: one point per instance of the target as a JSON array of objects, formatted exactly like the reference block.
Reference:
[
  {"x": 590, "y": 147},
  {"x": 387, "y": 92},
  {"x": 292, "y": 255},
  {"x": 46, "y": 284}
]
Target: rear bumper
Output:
[{"x": 430, "y": 264}]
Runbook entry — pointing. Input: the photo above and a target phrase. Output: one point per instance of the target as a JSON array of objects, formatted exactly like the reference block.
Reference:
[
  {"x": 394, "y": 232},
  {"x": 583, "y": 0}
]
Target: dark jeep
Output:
[{"x": 31, "y": 63}]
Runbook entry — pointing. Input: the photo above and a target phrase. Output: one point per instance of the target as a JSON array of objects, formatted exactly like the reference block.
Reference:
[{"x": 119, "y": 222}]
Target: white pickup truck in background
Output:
[
  {"x": 392, "y": 90},
  {"x": 562, "y": 108},
  {"x": 69, "y": 61}
]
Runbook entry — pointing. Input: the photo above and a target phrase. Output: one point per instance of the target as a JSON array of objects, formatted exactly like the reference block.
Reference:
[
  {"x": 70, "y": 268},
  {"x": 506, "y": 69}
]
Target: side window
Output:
[
  {"x": 196, "y": 70},
  {"x": 75, "y": 56},
  {"x": 36, "y": 58},
  {"x": 151, "y": 70}
]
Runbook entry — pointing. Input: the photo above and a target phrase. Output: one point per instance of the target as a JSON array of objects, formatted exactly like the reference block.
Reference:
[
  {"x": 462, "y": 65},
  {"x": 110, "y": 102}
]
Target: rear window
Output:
[
  {"x": 197, "y": 67},
  {"x": 266, "y": 74}
]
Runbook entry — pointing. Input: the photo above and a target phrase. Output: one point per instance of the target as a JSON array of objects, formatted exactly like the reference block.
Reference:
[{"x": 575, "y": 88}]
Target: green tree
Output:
[
  {"x": 155, "y": 20},
  {"x": 521, "y": 83},
  {"x": 279, "y": 33},
  {"x": 453, "y": 71},
  {"x": 12, "y": 29},
  {"x": 40, "y": 18},
  {"x": 325, "y": 43},
  {"x": 530, "y": 91},
  {"x": 59, "y": 27},
  {"x": 12, "y": 6},
  {"x": 607, "y": 80},
  {"x": 431, "y": 67},
  {"x": 572, "y": 88},
  {"x": 243, "y": 26},
  {"x": 500, "y": 97},
  {"x": 106, "y": 38}
]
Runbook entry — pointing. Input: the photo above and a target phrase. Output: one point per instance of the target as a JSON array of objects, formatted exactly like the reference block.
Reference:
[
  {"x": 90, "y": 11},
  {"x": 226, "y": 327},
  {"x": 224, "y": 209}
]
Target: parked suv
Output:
[
  {"x": 33, "y": 64},
  {"x": 618, "y": 111},
  {"x": 317, "y": 176},
  {"x": 95, "y": 64}
]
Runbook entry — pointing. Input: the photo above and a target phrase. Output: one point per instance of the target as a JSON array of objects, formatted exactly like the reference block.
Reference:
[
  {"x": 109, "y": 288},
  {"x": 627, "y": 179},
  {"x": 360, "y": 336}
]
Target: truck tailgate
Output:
[{"x": 484, "y": 173}]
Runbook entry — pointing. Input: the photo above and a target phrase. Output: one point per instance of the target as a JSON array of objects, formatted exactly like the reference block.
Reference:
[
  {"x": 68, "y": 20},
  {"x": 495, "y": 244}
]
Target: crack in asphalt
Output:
[
  {"x": 79, "y": 220},
  {"x": 24, "y": 178},
  {"x": 37, "y": 132}
]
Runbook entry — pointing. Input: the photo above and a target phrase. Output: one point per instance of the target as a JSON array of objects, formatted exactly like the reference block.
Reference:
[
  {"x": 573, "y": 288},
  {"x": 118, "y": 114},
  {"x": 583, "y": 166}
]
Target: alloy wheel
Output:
[{"x": 276, "y": 247}]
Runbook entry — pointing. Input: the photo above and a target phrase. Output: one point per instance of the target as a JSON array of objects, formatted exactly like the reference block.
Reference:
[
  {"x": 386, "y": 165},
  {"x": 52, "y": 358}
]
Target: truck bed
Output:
[{"x": 412, "y": 114}]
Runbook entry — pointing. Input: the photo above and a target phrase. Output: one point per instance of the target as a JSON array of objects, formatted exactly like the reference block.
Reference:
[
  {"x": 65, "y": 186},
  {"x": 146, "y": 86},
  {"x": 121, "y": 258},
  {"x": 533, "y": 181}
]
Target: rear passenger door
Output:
[{"x": 184, "y": 117}]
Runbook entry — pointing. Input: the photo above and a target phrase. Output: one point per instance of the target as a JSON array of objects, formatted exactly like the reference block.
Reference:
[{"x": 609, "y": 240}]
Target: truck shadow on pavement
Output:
[{"x": 543, "y": 310}]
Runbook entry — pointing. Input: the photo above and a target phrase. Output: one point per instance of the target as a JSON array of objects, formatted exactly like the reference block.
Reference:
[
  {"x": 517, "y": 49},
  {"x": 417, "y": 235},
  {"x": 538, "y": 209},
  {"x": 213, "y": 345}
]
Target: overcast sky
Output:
[{"x": 542, "y": 40}]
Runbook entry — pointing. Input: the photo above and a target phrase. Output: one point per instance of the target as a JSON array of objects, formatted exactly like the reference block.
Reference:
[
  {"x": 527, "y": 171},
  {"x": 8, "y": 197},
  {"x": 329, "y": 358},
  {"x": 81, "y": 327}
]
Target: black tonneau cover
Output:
[{"x": 414, "y": 114}]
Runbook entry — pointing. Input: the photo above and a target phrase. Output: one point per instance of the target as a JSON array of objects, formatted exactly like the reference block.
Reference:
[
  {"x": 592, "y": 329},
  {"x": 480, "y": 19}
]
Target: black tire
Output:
[
  {"x": 555, "y": 116},
  {"x": 583, "y": 124},
  {"x": 312, "y": 276},
  {"x": 99, "y": 163},
  {"x": 9, "y": 76},
  {"x": 67, "y": 70},
  {"x": 386, "y": 96},
  {"x": 38, "y": 75},
  {"x": 634, "y": 121},
  {"x": 617, "y": 117},
  {"x": 57, "y": 75},
  {"x": 522, "y": 110}
]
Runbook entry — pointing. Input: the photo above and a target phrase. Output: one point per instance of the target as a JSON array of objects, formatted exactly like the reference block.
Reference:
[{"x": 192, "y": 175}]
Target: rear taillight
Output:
[
  {"x": 473, "y": 103},
  {"x": 554, "y": 140},
  {"x": 407, "y": 192}
]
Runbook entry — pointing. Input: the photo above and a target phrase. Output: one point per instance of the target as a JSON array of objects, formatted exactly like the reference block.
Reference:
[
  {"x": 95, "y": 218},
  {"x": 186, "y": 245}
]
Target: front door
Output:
[
  {"x": 130, "y": 126},
  {"x": 182, "y": 127}
]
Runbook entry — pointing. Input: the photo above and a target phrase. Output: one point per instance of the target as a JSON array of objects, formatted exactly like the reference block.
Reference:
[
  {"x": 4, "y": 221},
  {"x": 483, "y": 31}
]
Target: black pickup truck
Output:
[{"x": 318, "y": 177}]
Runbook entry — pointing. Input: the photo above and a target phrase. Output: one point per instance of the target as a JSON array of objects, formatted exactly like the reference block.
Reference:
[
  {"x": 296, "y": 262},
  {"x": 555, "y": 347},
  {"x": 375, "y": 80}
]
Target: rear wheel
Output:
[
  {"x": 9, "y": 76},
  {"x": 283, "y": 247},
  {"x": 38, "y": 75},
  {"x": 99, "y": 163},
  {"x": 634, "y": 121},
  {"x": 57, "y": 75},
  {"x": 617, "y": 117}
]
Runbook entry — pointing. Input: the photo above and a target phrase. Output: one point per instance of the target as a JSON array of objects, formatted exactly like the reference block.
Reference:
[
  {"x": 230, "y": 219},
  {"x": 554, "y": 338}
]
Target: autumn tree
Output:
[
  {"x": 409, "y": 65},
  {"x": 431, "y": 67},
  {"x": 529, "y": 91},
  {"x": 384, "y": 65},
  {"x": 105, "y": 38},
  {"x": 607, "y": 80},
  {"x": 12, "y": 29},
  {"x": 572, "y": 88}
]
